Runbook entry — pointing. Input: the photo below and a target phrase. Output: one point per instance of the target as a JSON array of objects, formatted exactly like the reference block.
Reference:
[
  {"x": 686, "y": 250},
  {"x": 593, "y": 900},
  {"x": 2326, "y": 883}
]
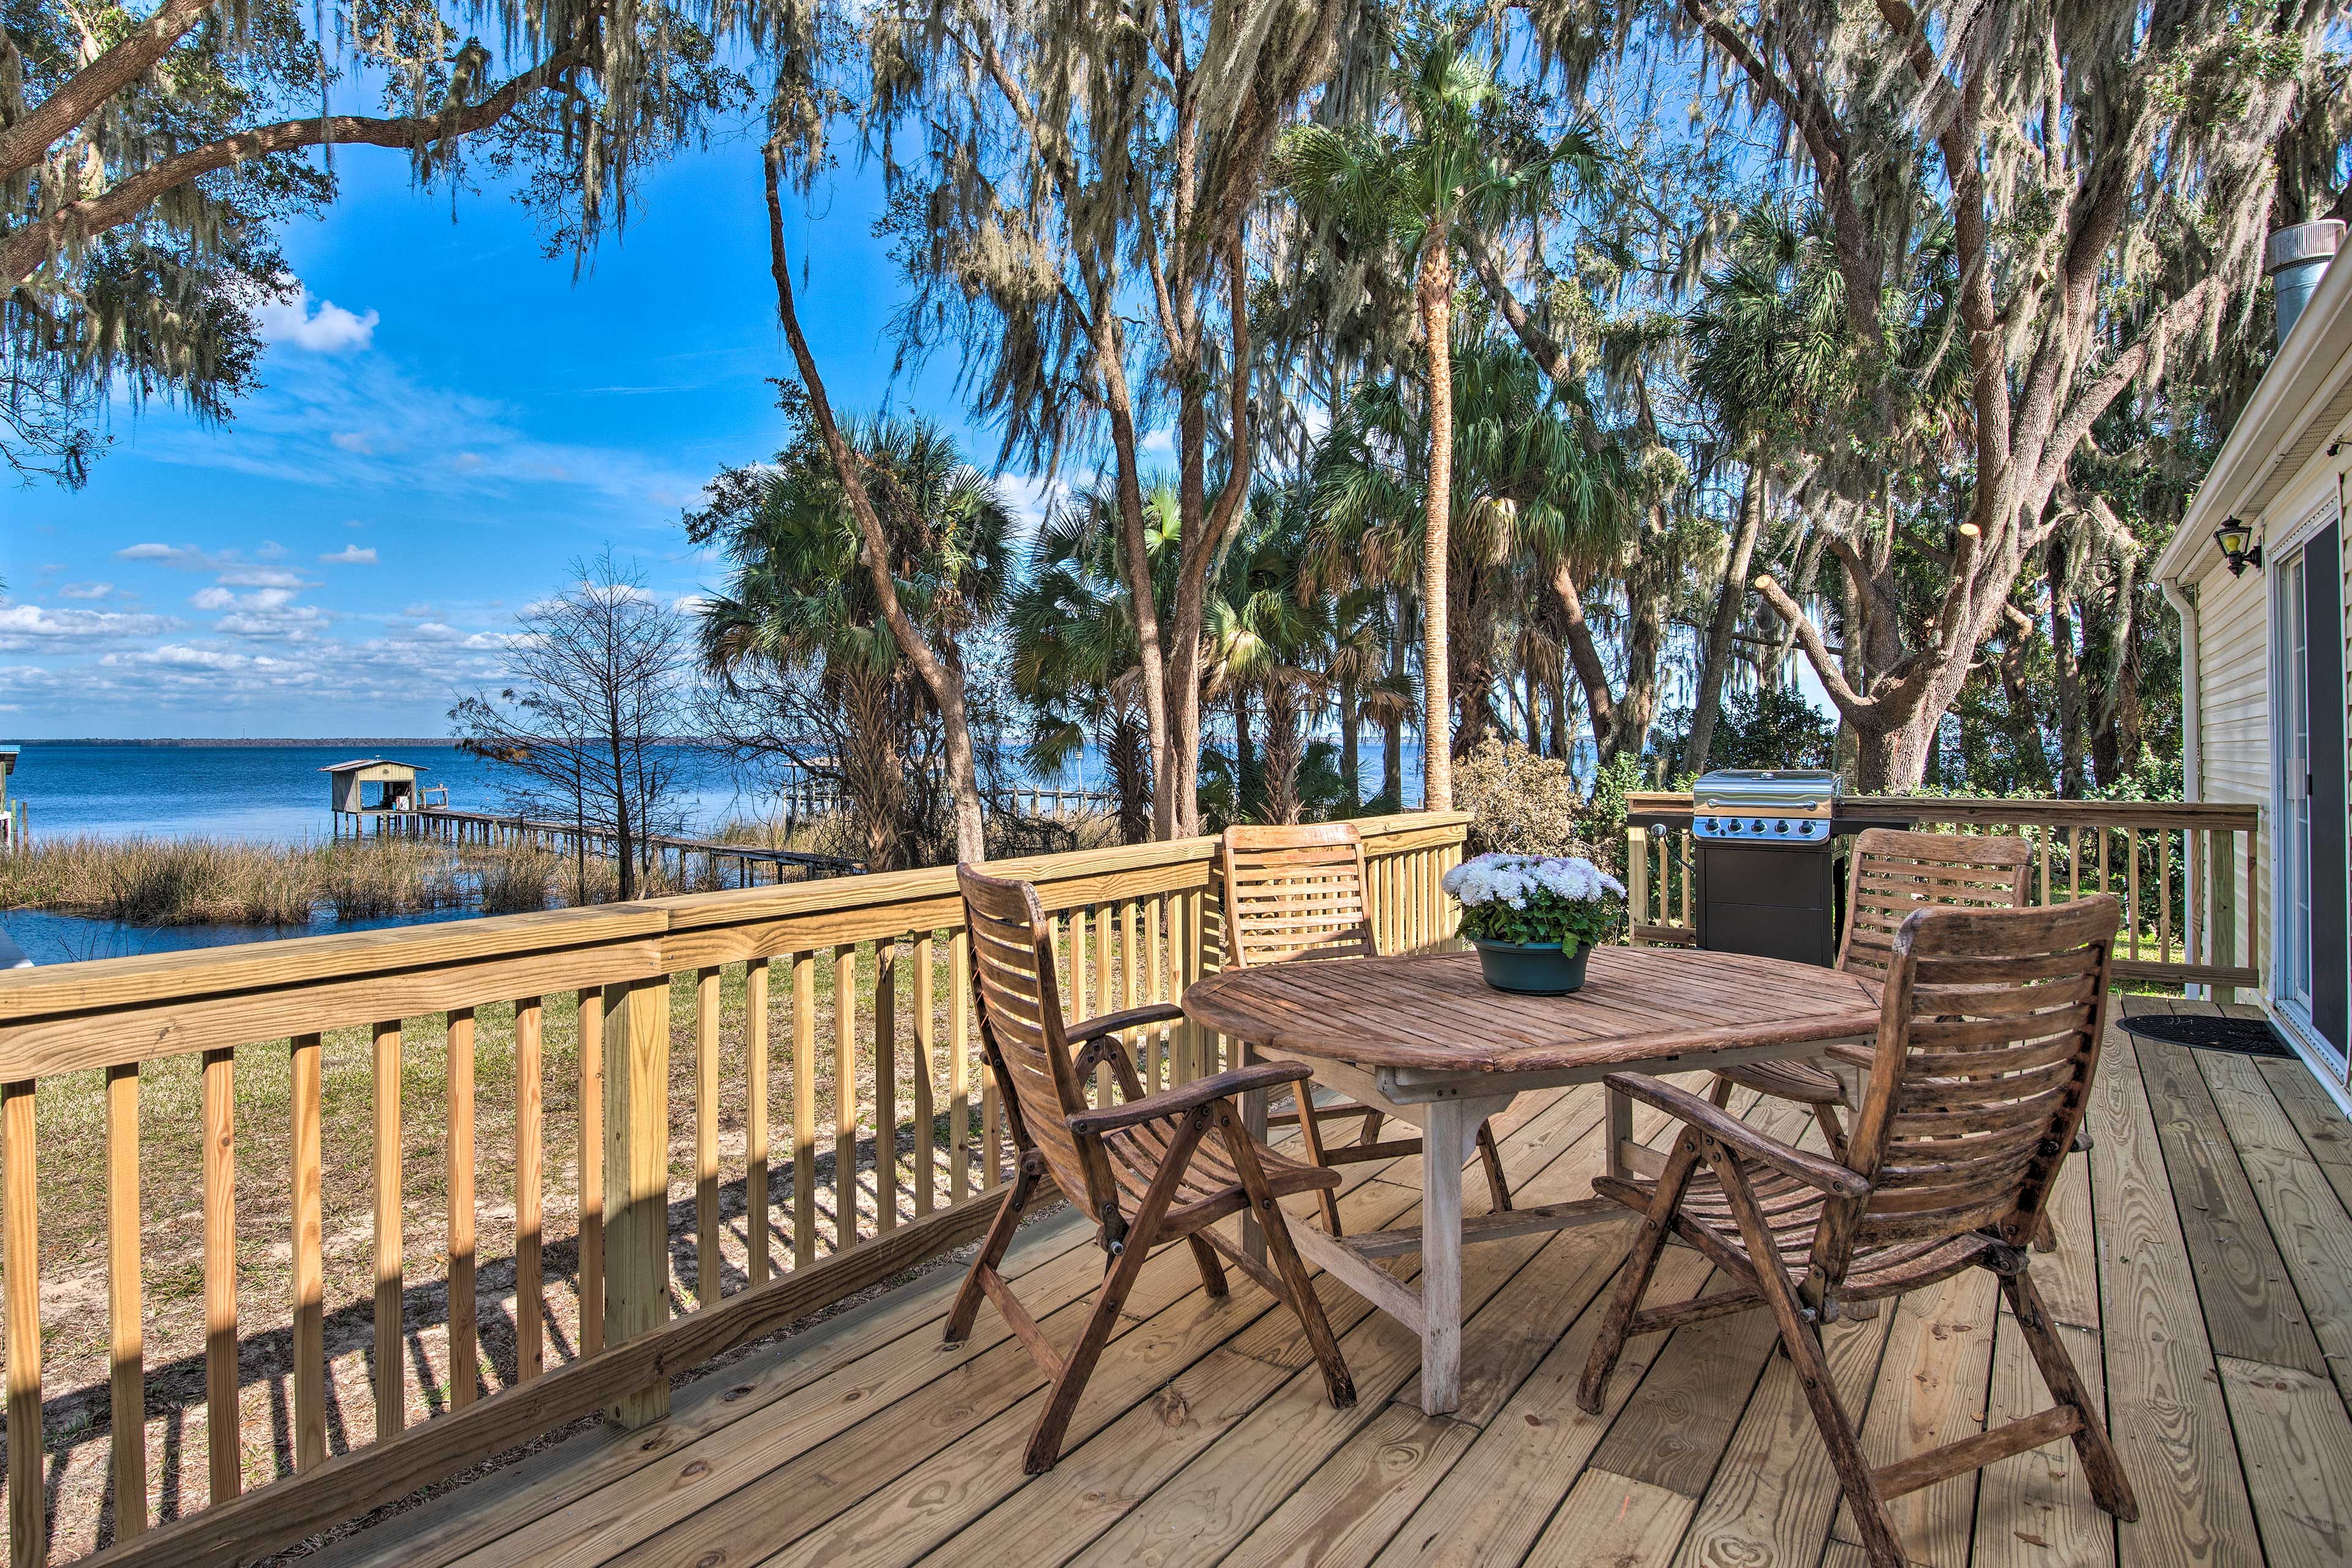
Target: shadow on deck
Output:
[{"x": 2203, "y": 1275}]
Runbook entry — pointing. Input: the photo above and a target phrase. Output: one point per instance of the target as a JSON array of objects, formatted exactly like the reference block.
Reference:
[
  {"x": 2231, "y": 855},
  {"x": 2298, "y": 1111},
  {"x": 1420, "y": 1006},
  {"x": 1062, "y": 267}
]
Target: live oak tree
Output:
[
  {"x": 2082, "y": 188},
  {"x": 1072, "y": 215},
  {"x": 148, "y": 158}
]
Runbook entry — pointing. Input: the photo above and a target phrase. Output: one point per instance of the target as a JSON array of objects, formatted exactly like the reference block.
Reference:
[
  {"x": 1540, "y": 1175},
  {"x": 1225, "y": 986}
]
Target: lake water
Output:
[{"x": 275, "y": 794}]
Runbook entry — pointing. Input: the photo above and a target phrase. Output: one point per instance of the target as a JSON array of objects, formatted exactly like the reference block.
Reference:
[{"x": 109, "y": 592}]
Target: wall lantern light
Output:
[{"x": 2238, "y": 547}]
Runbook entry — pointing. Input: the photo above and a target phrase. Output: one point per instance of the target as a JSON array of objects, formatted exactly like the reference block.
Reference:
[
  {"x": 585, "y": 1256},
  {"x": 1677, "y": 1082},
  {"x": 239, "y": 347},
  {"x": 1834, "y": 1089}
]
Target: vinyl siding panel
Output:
[{"x": 2233, "y": 647}]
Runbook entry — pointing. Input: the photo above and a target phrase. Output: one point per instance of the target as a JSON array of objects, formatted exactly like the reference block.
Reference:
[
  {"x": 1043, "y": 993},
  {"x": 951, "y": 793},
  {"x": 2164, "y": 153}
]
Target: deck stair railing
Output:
[
  {"x": 2183, "y": 869},
  {"x": 332, "y": 1191}
]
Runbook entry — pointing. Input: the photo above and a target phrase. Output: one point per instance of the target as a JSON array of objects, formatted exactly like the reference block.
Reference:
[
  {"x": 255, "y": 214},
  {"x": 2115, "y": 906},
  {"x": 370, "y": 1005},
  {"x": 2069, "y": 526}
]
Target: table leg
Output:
[
  {"x": 1618, "y": 1124},
  {"x": 1444, "y": 1149},
  {"x": 1253, "y": 1123}
]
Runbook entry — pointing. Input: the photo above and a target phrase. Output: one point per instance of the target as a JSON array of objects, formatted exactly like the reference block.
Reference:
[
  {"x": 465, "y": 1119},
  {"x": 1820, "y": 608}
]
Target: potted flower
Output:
[{"x": 1535, "y": 918}]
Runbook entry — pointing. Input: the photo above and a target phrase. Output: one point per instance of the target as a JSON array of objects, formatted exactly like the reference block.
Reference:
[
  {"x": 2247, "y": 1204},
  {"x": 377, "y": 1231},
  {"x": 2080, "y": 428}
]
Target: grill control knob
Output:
[
  {"x": 1757, "y": 825},
  {"x": 1781, "y": 826}
]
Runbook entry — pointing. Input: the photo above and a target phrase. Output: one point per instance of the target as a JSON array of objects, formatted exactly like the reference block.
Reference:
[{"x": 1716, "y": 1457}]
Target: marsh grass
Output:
[{"x": 197, "y": 881}]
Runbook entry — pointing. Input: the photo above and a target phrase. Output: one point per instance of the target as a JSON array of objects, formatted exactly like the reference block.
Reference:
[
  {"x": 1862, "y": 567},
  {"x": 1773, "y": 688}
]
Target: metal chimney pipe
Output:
[{"x": 2296, "y": 260}]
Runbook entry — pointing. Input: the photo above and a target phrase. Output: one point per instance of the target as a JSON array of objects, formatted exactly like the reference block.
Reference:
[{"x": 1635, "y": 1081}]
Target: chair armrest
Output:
[
  {"x": 1103, "y": 1023},
  {"x": 1187, "y": 1097},
  {"x": 1853, "y": 1056},
  {"x": 1824, "y": 1175}
]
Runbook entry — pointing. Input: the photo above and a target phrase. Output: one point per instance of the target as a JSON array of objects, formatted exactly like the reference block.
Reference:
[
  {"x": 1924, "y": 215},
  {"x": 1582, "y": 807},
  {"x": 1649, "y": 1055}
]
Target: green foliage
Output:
[
  {"x": 1762, "y": 727},
  {"x": 1602, "y": 823}
]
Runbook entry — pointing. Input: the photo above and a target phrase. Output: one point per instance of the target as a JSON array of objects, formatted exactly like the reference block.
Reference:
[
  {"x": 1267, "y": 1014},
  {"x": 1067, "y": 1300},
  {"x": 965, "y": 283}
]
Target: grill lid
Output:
[{"x": 1766, "y": 792}]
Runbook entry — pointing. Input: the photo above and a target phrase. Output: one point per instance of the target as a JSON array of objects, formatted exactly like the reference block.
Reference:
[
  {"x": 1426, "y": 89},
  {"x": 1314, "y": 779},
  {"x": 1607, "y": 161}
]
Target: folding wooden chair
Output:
[
  {"x": 1147, "y": 1170},
  {"x": 1989, "y": 1034},
  {"x": 1893, "y": 874},
  {"x": 1298, "y": 893}
]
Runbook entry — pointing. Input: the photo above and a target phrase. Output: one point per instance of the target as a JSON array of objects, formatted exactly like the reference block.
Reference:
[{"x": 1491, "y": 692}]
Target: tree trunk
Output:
[
  {"x": 1434, "y": 288},
  {"x": 1351, "y": 787},
  {"x": 1245, "y": 765},
  {"x": 2066, "y": 668},
  {"x": 1730, "y": 597},
  {"x": 946, "y": 691}
]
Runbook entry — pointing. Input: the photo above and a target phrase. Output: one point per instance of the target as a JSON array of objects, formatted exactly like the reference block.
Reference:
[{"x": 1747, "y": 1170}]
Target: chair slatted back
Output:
[
  {"x": 1021, "y": 1023},
  {"x": 1988, "y": 1033},
  {"x": 1895, "y": 873},
  {"x": 1294, "y": 892}
]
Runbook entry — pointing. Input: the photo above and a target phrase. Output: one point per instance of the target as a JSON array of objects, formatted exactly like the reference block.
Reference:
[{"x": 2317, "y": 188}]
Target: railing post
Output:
[
  {"x": 636, "y": 1177},
  {"x": 2221, "y": 926},
  {"x": 1637, "y": 881}
]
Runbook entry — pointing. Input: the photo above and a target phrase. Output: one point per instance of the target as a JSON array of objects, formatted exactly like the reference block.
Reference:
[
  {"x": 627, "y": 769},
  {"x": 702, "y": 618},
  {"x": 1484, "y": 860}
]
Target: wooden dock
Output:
[
  {"x": 679, "y": 854},
  {"x": 2203, "y": 1275}
]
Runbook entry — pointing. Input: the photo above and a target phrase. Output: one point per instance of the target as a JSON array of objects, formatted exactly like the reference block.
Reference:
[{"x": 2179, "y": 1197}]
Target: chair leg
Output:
[
  {"x": 1372, "y": 1133},
  {"x": 1826, "y": 1117},
  {"x": 1492, "y": 1158},
  {"x": 2110, "y": 1488},
  {"x": 1213, "y": 1271},
  {"x": 1881, "y": 1547},
  {"x": 1297, "y": 1289},
  {"x": 1640, "y": 1263},
  {"x": 1063, "y": 1394},
  {"x": 2045, "y": 1234},
  {"x": 991, "y": 1251},
  {"x": 1312, "y": 1137}
]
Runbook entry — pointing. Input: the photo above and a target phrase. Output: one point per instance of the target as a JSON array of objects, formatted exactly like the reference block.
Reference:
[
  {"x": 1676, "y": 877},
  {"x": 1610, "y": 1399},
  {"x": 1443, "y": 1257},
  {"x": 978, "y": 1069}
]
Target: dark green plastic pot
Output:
[{"x": 1532, "y": 969}]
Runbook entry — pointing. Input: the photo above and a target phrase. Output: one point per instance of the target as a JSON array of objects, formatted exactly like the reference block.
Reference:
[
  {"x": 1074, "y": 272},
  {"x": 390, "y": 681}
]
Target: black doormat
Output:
[{"x": 2247, "y": 1037}]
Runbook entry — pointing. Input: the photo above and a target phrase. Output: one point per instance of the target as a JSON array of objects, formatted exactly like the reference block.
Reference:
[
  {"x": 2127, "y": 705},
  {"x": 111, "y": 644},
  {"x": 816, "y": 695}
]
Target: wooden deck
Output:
[{"x": 2204, "y": 1275}]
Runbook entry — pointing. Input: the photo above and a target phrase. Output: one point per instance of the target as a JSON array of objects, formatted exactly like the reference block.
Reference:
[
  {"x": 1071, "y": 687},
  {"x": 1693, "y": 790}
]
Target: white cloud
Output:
[
  {"x": 361, "y": 443},
  {"x": 34, "y": 626},
  {"x": 1030, "y": 497},
  {"x": 220, "y": 598},
  {"x": 181, "y": 555},
  {"x": 293, "y": 622},
  {"x": 262, "y": 577},
  {"x": 84, "y": 590},
  {"x": 351, "y": 555},
  {"x": 326, "y": 329},
  {"x": 1159, "y": 443}
]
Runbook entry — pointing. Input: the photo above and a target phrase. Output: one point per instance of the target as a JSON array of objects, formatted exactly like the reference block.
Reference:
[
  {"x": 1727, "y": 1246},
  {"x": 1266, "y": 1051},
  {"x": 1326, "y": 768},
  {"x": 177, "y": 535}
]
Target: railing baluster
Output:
[
  {"x": 2042, "y": 835},
  {"x": 804, "y": 1109},
  {"x": 959, "y": 1072},
  {"x": 755, "y": 1120},
  {"x": 708, "y": 1272},
  {"x": 530, "y": 1064},
  {"x": 222, "y": 1428},
  {"x": 885, "y": 1086},
  {"x": 2164, "y": 894},
  {"x": 457, "y": 1147},
  {"x": 28, "y": 1545},
  {"x": 127, "y": 1379},
  {"x": 592, "y": 1172},
  {"x": 1105, "y": 995},
  {"x": 925, "y": 1037},
  {"x": 309, "y": 1274},
  {"x": 390, "y": 1397},
  {"x": 844, "y": 1096},
  {"x": 1155, "y": 936},
  {"x": 2131, "y": 887}
]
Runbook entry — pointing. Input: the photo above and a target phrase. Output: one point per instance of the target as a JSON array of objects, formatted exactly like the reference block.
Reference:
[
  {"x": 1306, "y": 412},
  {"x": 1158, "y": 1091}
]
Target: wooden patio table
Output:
[{"x": 1424, "y": 1039}]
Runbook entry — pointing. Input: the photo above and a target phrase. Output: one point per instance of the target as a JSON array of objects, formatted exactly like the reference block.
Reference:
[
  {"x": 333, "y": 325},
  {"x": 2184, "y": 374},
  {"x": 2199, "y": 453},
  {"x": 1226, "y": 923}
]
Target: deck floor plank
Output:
[
  {"x": 2165, "y": 1409},
  {"x": 2251, "y": 1311},
  {"x": 1205, "y": 1437}
]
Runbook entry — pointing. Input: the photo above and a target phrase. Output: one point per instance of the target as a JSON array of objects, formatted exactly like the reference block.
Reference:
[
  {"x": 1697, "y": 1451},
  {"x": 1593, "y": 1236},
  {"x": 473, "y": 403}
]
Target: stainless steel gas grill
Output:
[
  {"x": 1765, "y": 873},
  {"x": 1783, "y": 807}
]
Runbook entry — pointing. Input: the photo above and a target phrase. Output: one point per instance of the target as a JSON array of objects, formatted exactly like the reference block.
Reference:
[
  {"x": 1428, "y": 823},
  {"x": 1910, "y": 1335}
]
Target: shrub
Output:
[{"x": 1521, "y": 804}]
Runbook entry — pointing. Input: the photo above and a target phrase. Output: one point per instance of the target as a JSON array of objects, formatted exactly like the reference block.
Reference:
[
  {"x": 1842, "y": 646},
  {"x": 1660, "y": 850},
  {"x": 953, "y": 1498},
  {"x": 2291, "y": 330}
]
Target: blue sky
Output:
[{"x": 449, "y": 418}]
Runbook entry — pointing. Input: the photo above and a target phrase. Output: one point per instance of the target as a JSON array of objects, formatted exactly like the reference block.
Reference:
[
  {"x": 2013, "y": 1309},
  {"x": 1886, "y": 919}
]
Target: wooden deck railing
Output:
[
  {"x": 2173, "y": 864},
  {"x": 841, "y": 1001}
]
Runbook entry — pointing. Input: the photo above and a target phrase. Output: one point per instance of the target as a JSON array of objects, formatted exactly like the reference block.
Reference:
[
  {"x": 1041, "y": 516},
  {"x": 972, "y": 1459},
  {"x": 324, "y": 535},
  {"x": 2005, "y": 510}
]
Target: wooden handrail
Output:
[
  {"x": 2179, "y": 868},
  {"x": 1134, "y": 925}
]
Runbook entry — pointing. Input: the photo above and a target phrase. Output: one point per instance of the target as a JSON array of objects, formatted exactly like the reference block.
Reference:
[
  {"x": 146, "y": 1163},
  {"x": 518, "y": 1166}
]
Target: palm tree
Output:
[
  {"x": 1076, "y": 655},
  {"x": 801, "y": 603},
  {"x": 1537, "y": 481},
  {"x": 1461, "y": 156}
]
